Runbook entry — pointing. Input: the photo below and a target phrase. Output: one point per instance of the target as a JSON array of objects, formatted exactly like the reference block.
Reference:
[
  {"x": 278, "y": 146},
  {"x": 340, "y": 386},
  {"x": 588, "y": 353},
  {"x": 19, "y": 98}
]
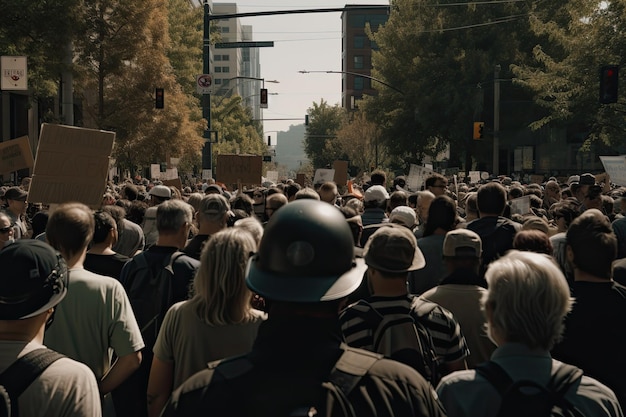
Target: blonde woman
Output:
[{"x": 217, "y": 322}]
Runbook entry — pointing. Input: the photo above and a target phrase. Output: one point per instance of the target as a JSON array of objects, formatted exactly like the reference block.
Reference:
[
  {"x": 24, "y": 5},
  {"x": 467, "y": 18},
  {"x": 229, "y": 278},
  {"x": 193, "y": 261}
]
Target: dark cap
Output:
[
  {"x": 587, "y": 179},
  {"x": 15, "y": 193},
  {"x": 393, "y": 249},
  {"x": 33, "y": 279},
  {"x": 214, "y": 205},
  {"x": 214, "y": 189}
]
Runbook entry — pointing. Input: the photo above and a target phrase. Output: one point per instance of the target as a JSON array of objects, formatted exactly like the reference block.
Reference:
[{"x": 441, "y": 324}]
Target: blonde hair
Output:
[
  {"x": 220, "y": 293},
  {"x": 529, "y": 298}
]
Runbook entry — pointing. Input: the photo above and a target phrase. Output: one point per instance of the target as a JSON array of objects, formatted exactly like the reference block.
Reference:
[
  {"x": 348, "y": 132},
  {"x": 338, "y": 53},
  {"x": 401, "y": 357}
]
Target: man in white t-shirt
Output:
[{"x": 38, "y": 282}]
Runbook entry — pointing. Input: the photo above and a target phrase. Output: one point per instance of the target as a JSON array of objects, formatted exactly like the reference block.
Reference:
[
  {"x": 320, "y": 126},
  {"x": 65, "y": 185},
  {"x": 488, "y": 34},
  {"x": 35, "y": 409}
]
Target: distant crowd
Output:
[{"x": 360, "y": 299}]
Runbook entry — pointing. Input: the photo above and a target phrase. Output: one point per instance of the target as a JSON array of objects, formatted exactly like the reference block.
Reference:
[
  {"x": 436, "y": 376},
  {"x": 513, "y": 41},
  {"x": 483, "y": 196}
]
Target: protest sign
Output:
[
  {"x": 244, "y": 169},
  {"x": 15, "y": 154},
  {"x": 341, "y": 172},
  {"x": 72, "y": 164},
  {"x": 323, "y": 175},
  {"x": 615, "y": 166}
]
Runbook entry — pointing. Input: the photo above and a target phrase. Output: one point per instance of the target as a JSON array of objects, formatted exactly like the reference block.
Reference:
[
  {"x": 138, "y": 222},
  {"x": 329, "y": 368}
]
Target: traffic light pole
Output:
[
  {"x": 496, "y": 120},
  {"x": 207, "y": 149}
]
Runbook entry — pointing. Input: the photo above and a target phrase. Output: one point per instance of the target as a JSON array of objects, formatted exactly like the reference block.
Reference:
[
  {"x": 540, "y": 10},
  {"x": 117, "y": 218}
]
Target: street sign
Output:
[
  {"x": 14, "y": 73},
  {"x": 203, "y": 83},
  {"x": 227, "y": 45}
]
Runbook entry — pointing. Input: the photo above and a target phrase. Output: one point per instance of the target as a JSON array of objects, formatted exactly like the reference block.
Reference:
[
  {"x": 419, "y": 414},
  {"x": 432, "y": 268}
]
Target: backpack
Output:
[
  {"x": 20, "y": 375},
  {"x": 150, "y": 291},
  {"x": 351, "y": 366},
  {"x": 402, "y": 337},
  {"x": 526, "y": 398}
]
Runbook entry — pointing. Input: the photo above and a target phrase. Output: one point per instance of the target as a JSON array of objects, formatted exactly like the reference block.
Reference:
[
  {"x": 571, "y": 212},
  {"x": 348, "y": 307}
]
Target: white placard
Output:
[
  {"x": 474, "y": 177},
  {"x": 207, "y": 174},
  {"x": 170, "y": 174},
  {"x": 272, "y": 176},
  {"x": 417, "y": 176},
  {"x": 14, "y": 73},
  {"x": 520, "y": 205},
  {"x": 323, "y": 175},
  {"x": 155, "y": 171},
  {"x": 615, "y": 166}
]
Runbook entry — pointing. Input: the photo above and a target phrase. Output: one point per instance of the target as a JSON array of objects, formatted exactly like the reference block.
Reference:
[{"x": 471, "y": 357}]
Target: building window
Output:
[
  {"x": 218, "y": 69},
  {"x": 225, "y": 57},
  {"x": 217, "y": 57},
  {"x": 358, "y": 61},
  {"x": 225, "y": 69},
  {"x": 217, "y": 81},
  {"x": 225, "y": 29},
  {"x": 357, "y": 21},
  {"x": 359, "y": 41},
  {"x": 358, "y": 83}
]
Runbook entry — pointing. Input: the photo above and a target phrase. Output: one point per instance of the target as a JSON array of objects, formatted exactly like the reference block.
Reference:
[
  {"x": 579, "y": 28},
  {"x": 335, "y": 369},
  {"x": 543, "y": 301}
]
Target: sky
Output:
[{"x": 310, "y": 41}]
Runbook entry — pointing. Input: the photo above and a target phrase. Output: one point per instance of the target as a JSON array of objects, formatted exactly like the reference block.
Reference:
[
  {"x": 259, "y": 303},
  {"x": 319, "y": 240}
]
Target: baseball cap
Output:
[
  {"x": 462, "y": 243},
  {"x": 306, "y": 255},
  {"x": 215, "y": 205},
  {"x": 403, "y": 215},
  {"x": 573, "y": 179},
  {"x": 34, "y": 279},
  {"x": 393, "y": 248},
  {"x": 587, "y": 179},
  {"x": 15, "y": 193},
  {"x": 213, "y": 189},
  {"x": 376, "y": 193},
  {"x": 161, "y": 191}
]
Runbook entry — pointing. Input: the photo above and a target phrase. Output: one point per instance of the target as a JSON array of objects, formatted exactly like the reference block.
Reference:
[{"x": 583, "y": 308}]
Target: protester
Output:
[
  {"x": 305, "y": 268},
  {"x": 526, "y": 301},
  {"x": 15, "y": 198},
  {"x": 217, "y": 322},
  {"x": 36, "y": 281},
  {"x": 212, "y": 216},
  {"x": 462, "y": 289},
  {"x": 100, "y": 258},
  {"x": 95, "y": 320},
  {"x": 390, "y": 254}
]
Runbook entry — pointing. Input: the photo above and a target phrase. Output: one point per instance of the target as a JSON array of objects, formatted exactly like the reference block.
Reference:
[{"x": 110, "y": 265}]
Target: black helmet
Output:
[
  {"x": 33, "y": 279},
  {"x": 306, "y": 255}
]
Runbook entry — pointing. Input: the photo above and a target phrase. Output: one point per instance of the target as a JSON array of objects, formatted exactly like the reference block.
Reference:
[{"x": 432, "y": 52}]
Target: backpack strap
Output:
[
  {"x": 23, "y": 372},
  {"x": 495, "y": 375},
  {"x": 352, "y": 365}
]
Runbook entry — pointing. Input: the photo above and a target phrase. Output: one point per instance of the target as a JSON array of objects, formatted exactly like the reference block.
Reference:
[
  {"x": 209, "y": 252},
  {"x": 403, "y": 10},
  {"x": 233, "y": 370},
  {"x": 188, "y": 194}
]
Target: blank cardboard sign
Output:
[
  {"x": 71, "y": 165},
  {"x": 15, "y": 154}
]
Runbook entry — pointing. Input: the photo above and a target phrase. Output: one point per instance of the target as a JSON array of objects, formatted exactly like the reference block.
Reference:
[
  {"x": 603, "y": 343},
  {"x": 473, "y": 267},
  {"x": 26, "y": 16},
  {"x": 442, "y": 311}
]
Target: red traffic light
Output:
[{"x": 609, "y": 80}]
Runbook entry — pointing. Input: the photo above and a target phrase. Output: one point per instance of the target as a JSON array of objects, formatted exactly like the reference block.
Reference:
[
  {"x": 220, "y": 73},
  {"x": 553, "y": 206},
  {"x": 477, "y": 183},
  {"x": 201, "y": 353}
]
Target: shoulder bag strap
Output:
[{"x": 495, "y": 375}]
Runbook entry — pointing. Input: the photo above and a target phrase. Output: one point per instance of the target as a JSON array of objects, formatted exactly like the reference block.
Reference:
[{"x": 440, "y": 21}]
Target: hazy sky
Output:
[{"x": 310, "y": 41}]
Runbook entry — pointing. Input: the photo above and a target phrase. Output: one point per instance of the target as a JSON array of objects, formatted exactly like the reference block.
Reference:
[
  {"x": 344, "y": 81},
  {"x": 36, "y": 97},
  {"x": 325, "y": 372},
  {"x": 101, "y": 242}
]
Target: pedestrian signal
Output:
[{"x": 159, "y": 98}]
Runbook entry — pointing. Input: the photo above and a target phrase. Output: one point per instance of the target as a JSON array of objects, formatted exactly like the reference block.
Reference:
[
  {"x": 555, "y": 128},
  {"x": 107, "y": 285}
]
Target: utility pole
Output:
[
  {"x": 207, "y": 150},
  {"x": 496, "y": 119}
]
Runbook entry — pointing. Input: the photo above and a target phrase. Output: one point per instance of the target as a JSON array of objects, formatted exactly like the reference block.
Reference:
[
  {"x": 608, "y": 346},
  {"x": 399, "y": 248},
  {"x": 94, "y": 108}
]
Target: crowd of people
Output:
[{"x": 282, "y": 290}]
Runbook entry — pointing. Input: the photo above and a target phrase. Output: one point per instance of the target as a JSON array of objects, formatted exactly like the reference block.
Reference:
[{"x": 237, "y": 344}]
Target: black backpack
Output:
[
  {"x": 402, "y": 337},
  {"x": 351, "y": 366},
  {"x": 150, "y": 290},
  {"x": 526, "y": 398},
  {"x": 20, "y": 375}
]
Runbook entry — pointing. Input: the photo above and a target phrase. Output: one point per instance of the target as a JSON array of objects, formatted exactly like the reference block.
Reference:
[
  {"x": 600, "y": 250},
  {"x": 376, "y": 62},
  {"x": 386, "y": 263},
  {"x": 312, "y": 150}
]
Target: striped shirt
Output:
[{"x": 448, "y": 341}]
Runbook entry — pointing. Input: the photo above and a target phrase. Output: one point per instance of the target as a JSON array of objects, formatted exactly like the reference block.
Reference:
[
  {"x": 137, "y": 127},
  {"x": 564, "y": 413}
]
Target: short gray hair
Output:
[
  {"x": 172, "y": 215},
  {"x": 529, "y": 298}
]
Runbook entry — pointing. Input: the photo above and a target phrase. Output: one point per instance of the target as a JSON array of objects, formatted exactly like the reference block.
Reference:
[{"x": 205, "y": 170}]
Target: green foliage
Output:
[{"x": 320, "y": 143}]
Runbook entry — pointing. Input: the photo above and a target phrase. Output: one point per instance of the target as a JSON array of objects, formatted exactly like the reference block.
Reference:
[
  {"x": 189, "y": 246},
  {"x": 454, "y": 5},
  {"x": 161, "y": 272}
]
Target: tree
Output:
[
  {"x": 320, "y": 143},
  {"x": 359, "y": 141},
  {"x": 437, "y": 55},
  {"x": 575, "y": 39}
]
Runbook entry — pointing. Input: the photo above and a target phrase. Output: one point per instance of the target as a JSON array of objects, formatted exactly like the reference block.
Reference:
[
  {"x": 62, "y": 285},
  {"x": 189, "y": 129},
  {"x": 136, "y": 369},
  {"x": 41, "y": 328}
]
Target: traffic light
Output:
[
  {"x": 479, "y": 127},
  {"x": 306, "y": 119},
  {"x": 263, "y": 98},
  {"x": 609, "y": 75},
  {"x": 159, "y": 99}
]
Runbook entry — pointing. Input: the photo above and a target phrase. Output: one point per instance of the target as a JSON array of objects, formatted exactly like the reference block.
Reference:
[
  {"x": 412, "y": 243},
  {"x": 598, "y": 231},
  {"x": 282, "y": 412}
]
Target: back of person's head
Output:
[
  {"x": 290, "y": 190},
  {"x": 253, "y": 226},
  {"x": 172, "y": 215},
  {"x": 397, "y": 199},
  {"x": 194, "y": 200},
  {"x": 399, "y": 182},
  {"x": 328, "y": 192},
  {"x": 378, "y": 177},
  {"x": 243, "y": 202},
  {"x": 117, "y": 213},
  {"x": 39, "y": 222},
  {"x": 432, "y": 179},
  {"x": 354, "y": 221},
  {"x": 441, "y": 215},
  {"x": 36, "y": 279},
  {"x": 567, "y": 209},
  {"x": 471, "y": 203},
  {"x": 533, "y": 240},
  {"x": 70, "y": 228},
  {"x": 593, "y": 243},
  {"x": 376, "y": 196},
  {"x": 462, "y": 249},
  {"x": 491, "y": 199},
  {"x": 221, "y": 296},
  {"x": 403, "y": 215},
  {"x": 307, "y": 193},
  {"x": 130, "y": 192},
  {"x": 527, "y": 299},
  {"x": 355, "y": 204},
  {"x": 137, "y": 211},
  {"x": 214, "y": 208},
  {"x": 306, "y": 256},
  {"x": 104, "y": 223},
  {"x": 274, "y": 202}
]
